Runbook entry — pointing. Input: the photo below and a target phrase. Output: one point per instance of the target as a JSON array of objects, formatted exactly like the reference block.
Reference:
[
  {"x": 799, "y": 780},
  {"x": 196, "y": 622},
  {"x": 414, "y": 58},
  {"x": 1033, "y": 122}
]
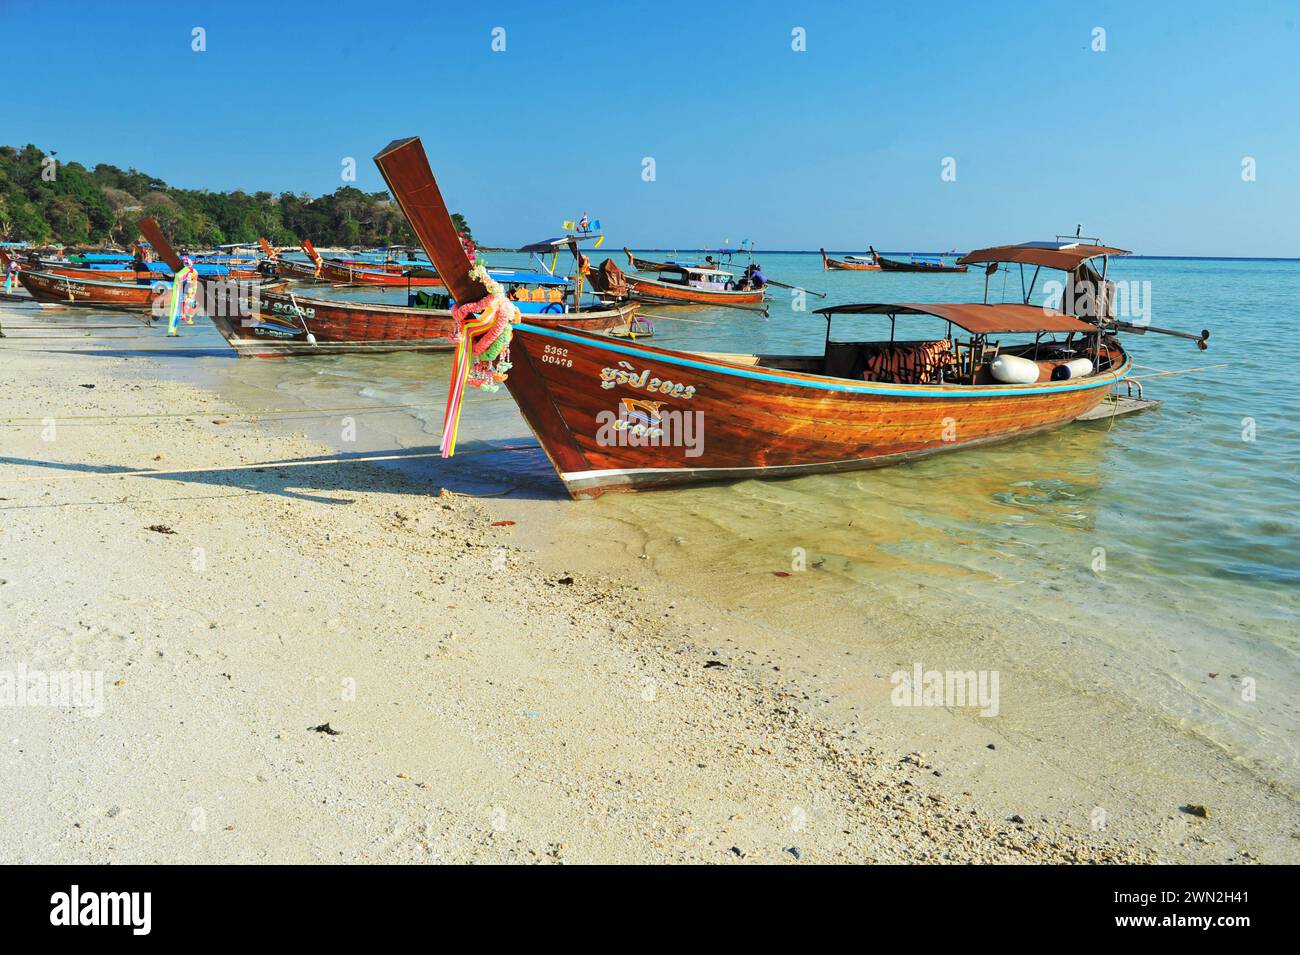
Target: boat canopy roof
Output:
[
  {"x": 200, "y": 268},
  {"x": 1065, "y": 256},
  {"x": 977, "y": 318},
  {"x": 558, "y": 242},
  {"x": 511, "y": 277},
  {"x": 697, "y": 270},
  {"x": 102, "y": 257}
]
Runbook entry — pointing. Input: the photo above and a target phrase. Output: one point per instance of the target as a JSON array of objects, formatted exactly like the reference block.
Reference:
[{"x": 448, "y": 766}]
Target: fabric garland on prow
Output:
[
  {"x": 482, "y": 360},
  {"x": 184, "y": 296}
]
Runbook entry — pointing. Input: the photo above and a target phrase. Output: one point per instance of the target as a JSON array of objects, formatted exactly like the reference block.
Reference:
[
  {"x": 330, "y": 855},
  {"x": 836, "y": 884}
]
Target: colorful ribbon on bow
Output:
[
  {"x": 185, "y": 296},
  {"x": 482, "y": 335},
  {"x": 11, "y": 276}
]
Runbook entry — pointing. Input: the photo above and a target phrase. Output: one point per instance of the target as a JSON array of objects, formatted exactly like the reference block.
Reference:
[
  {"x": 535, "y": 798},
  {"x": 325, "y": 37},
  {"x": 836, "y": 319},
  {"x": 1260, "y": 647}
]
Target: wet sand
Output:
[{"x": 500, "y": 691}]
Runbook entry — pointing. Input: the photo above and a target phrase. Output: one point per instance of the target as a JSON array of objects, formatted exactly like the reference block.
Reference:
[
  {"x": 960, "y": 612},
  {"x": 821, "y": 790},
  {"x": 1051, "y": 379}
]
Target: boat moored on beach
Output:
[
  {"x": 285, "y": 323},
  {"x": 628, "y": 416},
  {"x": 51, "y": 289},
  {"x": 54, "y": 288},
  {"x": 273, "y": 263},
  {"x": 350, "y": 273},
  {"x": 625, "y": 416}
]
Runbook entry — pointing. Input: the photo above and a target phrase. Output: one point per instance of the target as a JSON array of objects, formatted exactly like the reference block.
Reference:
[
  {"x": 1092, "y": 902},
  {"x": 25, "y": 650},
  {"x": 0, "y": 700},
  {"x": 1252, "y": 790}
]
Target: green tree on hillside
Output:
[{"x": 100, "y": 205}]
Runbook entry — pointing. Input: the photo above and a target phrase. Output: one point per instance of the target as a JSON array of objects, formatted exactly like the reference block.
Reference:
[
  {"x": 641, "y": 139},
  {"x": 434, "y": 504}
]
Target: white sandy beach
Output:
[{"x": 494, "y": 698}]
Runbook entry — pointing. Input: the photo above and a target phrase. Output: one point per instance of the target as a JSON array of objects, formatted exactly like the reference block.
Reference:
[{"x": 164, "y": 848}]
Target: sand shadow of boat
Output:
[{"x": 476, "y": 471}]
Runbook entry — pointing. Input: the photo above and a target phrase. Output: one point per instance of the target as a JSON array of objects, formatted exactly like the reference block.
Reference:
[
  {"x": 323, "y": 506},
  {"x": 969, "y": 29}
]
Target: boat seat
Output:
[{"x": 844, "y": 360}]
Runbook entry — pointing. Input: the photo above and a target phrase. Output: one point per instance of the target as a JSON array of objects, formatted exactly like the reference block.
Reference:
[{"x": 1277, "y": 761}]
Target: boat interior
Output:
[
  {"x": 936, "y": 361},
  {"x": 979, "y": 358},
  {"x": 713, "y": 280},
  {"x": 1006, "y": 343},
  {"x": 540, "y": 298}
]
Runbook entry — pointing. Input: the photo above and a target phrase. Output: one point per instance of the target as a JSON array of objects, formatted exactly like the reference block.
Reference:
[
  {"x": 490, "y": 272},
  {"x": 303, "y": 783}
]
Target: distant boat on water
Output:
[
  {"x": 850, "y": 263},
  {"x": 917, "y": 263}
]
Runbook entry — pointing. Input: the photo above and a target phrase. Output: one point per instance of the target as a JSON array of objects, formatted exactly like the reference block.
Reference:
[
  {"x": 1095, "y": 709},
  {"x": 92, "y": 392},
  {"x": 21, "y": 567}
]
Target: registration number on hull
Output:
[{"x": 555, "y": 355}]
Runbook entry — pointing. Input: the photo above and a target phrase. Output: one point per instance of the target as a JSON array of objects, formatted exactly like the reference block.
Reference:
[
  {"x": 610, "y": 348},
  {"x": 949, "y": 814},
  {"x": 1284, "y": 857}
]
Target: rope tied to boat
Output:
[{"x": 482, "y": 336}]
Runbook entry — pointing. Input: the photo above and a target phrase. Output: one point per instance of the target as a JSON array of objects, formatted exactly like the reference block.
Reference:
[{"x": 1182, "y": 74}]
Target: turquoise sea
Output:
[{"x": 1160, "y": 550}]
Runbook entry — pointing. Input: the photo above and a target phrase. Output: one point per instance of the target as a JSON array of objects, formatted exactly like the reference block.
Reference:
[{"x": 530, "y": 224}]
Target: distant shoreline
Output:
[{"x": 1175, "y": 258}]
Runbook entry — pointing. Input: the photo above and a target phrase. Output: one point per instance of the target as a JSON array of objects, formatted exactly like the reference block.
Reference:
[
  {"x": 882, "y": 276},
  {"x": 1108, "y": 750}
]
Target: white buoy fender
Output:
[
  {"x": 1072, "y": 369},
  {"x": 1014, "y": 370}
]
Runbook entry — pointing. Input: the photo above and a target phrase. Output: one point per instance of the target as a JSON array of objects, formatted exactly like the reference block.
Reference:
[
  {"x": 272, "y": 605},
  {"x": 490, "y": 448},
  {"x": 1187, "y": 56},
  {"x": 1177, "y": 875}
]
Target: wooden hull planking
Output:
[
  {"x": 646, "y": 265},
  {"x": 132, "y": 275},
  {"x": 892, "y": 265},
  {"x": 293, "y": 269},
  {"x": 672, "y": 294},
  {"x": 352, "y": 275},
  {"x": 834, "y": 265},
  {"x": 52, "y": 289}
]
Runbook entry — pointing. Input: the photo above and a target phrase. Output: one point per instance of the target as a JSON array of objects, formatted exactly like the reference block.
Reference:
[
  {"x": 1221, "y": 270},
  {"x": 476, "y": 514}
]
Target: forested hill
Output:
[{"x": 44, "y": 202}]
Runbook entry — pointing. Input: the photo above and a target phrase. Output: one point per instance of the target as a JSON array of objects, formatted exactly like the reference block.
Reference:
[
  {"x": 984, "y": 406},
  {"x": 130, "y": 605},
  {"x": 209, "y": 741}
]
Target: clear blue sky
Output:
[{"x": 839, "y": 145}]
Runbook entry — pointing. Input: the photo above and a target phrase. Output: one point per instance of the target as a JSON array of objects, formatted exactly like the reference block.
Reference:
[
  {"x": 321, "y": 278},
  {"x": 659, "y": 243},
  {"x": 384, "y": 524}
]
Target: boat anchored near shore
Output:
[
  {"x": 626, "y": 416},
  {"x": 691, "y": 284}
]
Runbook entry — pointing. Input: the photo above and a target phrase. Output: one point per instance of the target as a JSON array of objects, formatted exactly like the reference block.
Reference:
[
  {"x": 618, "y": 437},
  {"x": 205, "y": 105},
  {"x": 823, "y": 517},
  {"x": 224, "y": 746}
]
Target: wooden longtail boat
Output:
[
  {"x": 276, "y": 264},
  {"x": 344, "y": 273},
  {"x": 137, "y": 275},
  {"x": 293, "y": 269},
  {"x": 128, "y": 268},
  {"x": 650, "y": 265},
  {"x": 51, "y": 289},
  {"x": 691, "y": 285},
  {"x": 685, "y": 292},
  {"x": 647, "y": 265},
  {"x": 396, "y": 268},
  {"x": 284, "y": 323},
  {"x": 852, "y": 263},
  {"x": 622, "y": 416},
  {"x": 915, "y": 265}
]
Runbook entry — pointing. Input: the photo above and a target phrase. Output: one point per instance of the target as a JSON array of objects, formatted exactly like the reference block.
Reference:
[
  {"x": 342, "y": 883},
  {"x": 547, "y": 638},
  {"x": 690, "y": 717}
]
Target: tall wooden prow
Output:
[
  {"x": 405, "y": 168},
  {"x": 150, "y": 229}
]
